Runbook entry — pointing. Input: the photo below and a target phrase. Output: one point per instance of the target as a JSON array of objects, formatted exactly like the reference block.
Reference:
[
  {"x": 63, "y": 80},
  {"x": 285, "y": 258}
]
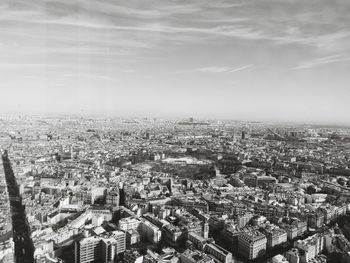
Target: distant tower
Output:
[{"x": 243, "y": 135}]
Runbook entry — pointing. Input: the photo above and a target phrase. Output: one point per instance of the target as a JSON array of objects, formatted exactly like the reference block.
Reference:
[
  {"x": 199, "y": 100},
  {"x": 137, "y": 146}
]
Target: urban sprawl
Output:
[{"x": 102, "y": 190}]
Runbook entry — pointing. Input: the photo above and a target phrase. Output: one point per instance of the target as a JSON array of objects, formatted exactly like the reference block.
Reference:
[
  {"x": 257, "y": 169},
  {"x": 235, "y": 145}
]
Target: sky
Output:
[{"x": 268, "y": 60}]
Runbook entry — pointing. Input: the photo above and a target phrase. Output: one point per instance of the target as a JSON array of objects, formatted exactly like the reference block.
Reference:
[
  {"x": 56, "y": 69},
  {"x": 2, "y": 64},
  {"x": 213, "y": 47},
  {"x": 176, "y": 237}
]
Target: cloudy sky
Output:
[{"x": 286, "y": 60}]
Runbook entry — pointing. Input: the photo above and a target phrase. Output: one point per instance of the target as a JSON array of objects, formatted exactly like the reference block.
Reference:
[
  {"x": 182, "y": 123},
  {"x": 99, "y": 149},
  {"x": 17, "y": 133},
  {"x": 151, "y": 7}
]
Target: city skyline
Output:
[{"x": 255, "y": 60}]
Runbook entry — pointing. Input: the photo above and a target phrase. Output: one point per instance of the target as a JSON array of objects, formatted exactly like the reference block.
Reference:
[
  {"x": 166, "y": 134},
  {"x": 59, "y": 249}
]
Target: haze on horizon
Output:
[{"x": 276, "y": 60}]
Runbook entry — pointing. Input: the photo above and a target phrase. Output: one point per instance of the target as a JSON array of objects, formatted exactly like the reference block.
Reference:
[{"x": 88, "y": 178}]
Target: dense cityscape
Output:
[{"x": 78, "y": 189}]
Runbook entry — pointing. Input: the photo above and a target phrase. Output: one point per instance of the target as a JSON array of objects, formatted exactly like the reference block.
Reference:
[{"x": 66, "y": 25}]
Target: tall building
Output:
[
  {"x": 108, "y": 249},
  {"x": 252, "y": 244},
  {"x": 120, "y": 238},
  {"x": 100, "y": 249},
  {"x": 87, "y": 250}
]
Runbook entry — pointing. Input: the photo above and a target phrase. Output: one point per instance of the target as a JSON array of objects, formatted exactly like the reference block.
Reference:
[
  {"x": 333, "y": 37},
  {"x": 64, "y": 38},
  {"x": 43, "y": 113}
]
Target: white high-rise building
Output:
[
  {"x": 120, "y": 238},
  {"x": 100, "y": 249},
  {"x": 88, "y": 250}
]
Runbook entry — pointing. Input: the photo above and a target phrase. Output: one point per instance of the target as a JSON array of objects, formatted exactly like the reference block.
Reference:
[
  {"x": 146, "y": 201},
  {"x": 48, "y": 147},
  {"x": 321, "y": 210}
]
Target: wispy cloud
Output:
[
  {"x": 241, "y": 68},
  {"x": 192, "y": 21},
  {"x": 322, "y": 61},
  {"x": 222, "y": 69},
  {"x": 106, "y": 28},
  {"x": 222, "y": 30},
  {"x": 326, "y": 42}
]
